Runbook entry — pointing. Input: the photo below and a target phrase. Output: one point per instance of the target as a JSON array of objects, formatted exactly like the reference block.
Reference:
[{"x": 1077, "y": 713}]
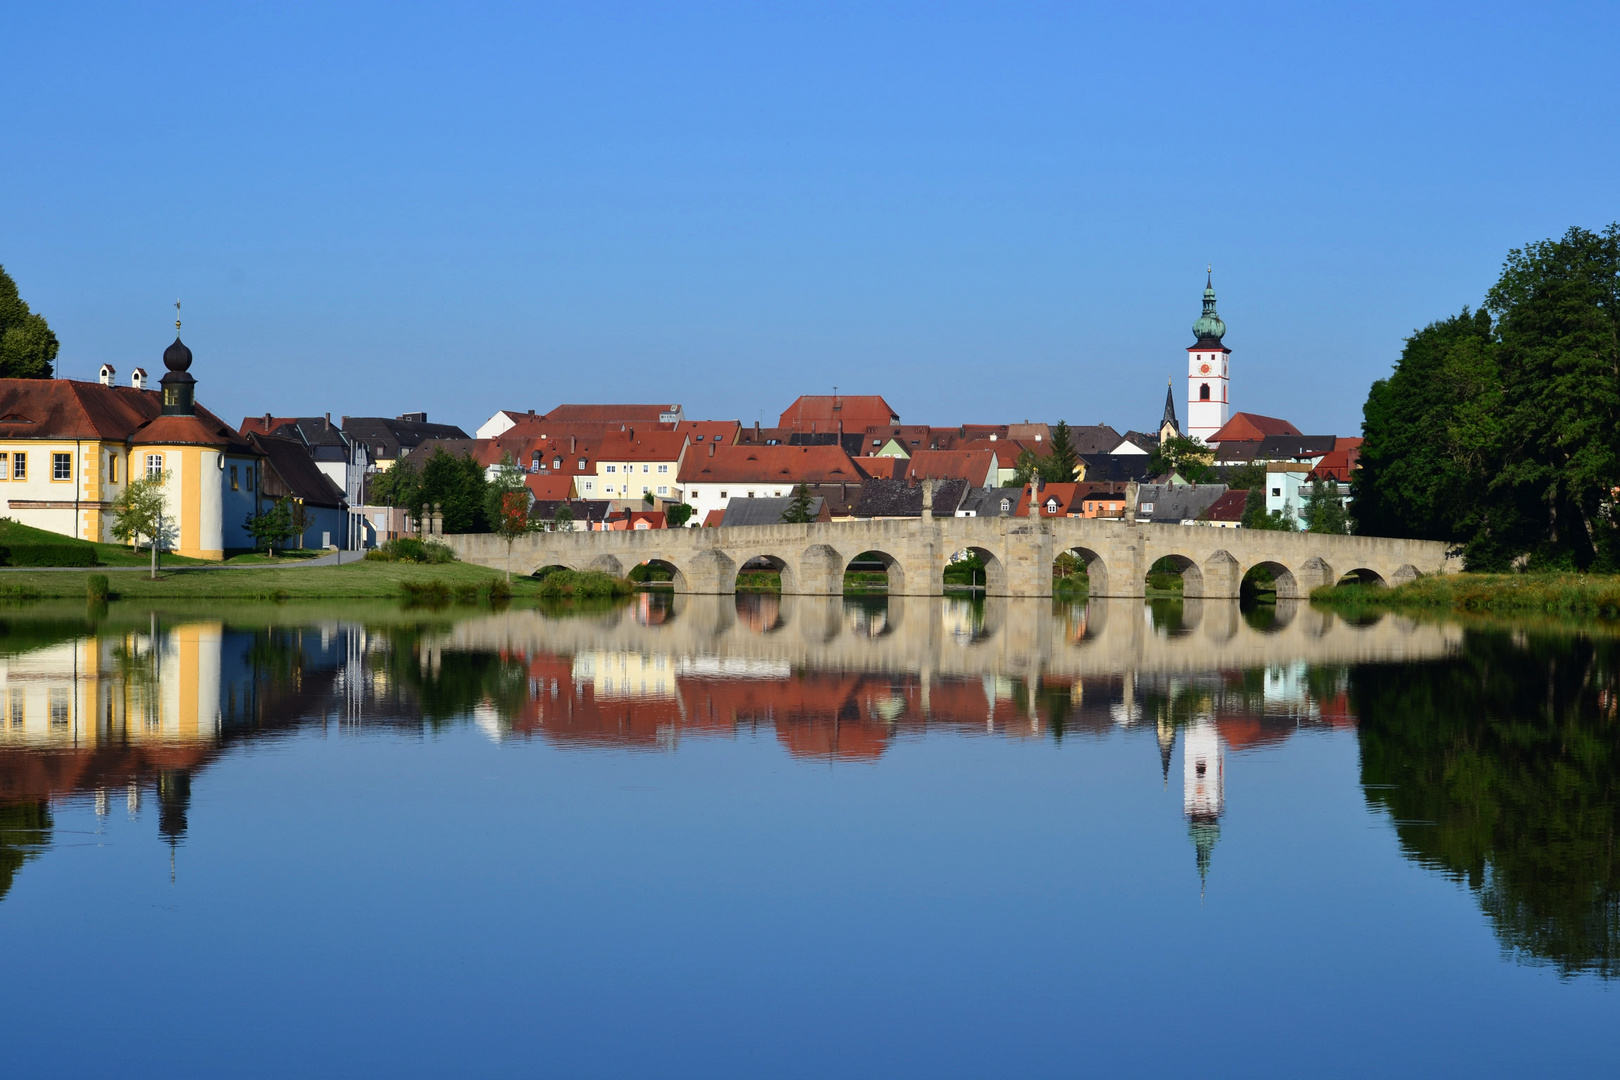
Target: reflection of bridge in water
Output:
[{"x": 992, "y": 637}]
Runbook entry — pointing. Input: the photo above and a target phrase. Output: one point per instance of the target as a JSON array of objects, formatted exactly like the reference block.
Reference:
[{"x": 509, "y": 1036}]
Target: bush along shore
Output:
[
  {"x": 1591, "y": 595},
  {"x": 422, "y": 583}
]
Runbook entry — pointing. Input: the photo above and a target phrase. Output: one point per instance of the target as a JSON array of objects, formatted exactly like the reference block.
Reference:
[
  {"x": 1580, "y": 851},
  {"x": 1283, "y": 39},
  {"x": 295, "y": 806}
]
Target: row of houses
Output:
[{"x": 68, "y": 449}]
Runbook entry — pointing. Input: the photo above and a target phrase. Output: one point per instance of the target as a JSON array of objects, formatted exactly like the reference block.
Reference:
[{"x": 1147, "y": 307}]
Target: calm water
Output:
[{"x": 805, "y": 838}]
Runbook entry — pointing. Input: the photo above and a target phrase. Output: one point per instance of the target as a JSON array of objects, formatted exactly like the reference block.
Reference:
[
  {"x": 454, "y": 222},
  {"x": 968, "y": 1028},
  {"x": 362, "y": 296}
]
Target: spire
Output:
[
  {"x": 1169, "y": 406},
  {"x": 1203, "y": 834},
  {"x": 179, "y": 387},
  {"x": 1209, "y": 328},
  {"x": 1167, "y": 745}
]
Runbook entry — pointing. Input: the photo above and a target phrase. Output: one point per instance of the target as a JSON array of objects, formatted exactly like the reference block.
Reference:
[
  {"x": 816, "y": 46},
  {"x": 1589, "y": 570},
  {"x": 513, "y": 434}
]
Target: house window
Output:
[
  {"x": 699, "y": 438},
  {"x": 59, "y": 707},
  {"x": 1051, "y": 506},
  {"x": 663, "y": 468},
  {"x": 1006, "y": 505},
  {"x": 613, "y": 468},
  {"x": 1203, "y": 392},
  {"x": 18, "y": 710},
  {"x": 233, "y": 478},
  {"x": 588, "y": 485},
  {"x": 1276, "y": 492},
  {"x": 556, "y": 463},
  {"x": 644, "y": 468},
  {"x": 644, "y": 489},
  {"x": 663, "y": 489},
  {"x": 722, "y": 494},
  {"x": 5, "y": 466},
  {"x": 154, "y": 466},
  {"x": 750, "y": 494},
  {"x": 112, "y": 468},
  {"x": 19, "y": 466},
  {"x": 582, "y": 463}
]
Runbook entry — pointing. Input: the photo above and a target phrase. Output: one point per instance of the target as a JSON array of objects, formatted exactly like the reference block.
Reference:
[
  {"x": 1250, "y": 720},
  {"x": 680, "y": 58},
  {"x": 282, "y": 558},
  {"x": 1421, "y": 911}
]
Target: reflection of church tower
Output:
[{"x": 1203, "y": 790}]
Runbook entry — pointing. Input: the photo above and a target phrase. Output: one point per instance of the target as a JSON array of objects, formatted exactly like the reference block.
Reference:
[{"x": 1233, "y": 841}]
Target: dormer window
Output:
[
  {"x": 1051, "y": 506},
  {"x": 1006, "y": 505}
]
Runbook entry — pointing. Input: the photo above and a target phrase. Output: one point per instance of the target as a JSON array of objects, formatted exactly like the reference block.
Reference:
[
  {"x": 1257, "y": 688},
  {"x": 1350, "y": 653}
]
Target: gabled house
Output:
[
  {"x": 1176, "y": 504},
  {"x": 979, "y": 468},
  {"x": 710, "y": 479},
  {"x": 68, "y": 449},
  {"x": 640, "y": 415},
  {"x": 1226, "y": 512},
  {"x": 904, "y": 499},
  {"x": 991, "y": 502},
  {"x": 837, "y": 412},
  {"x": 707, "y": 432},
  {"x": 635, "y": 464},
  {"x": 290, "y": 472},
  {"x": 341, "y": 458},
  {"x": 1251, "y": 427},
  {"x": 1053, "y": 500},
  {"x": 388, "y": 441},
  {"x": 769, "y": 511}
]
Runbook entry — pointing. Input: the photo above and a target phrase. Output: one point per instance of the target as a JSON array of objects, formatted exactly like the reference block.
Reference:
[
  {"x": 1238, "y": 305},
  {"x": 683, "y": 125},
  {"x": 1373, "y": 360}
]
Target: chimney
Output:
[
  {"x": 328, "y": 419},
  {"x": 711, "y": 449},
  {"x": 107, "y": 373},
  {"x": 267, "y": 423},
  {"x": 137, "y": 378},
  {"x": 573, "y": 442},
  {"x": 756, "y": 430}
]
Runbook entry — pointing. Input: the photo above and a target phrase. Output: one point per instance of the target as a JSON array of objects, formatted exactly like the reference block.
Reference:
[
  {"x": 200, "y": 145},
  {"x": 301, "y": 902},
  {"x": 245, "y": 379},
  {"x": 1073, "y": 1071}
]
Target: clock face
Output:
[{"x": 1203, "y": 369}]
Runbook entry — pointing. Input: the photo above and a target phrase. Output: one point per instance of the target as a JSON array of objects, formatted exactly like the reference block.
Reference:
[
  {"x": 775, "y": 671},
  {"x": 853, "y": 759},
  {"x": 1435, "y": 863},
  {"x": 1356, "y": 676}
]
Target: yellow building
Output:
[{"x": 68, "y": 448}]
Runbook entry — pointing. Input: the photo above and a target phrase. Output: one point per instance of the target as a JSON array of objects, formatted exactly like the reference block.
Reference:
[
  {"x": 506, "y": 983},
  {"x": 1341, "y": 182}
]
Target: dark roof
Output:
[
  {"x": 296, "y": 472},
  {"x": 582, "y": 509},
  {"x": 385, "y": 438},
  {"x": 764, "y": 511},
  {"x": 1176, "y": 502},
  {"x": 1276, "y": 448},
  {"x": 1093, "y": 439},
  {"x": 1115, "y": 467},
  {"x": 986, "y": 502},
  {"x": 1229, "y": 507},
  {"x": 1170, "y": 408},
  {"x": 898, "y": 498}
]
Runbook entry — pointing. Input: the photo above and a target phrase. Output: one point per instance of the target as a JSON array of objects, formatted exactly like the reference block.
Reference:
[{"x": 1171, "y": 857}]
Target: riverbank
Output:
[
  {"x": 359, "y": 580},
  {"x": 1588, "y": 595}
]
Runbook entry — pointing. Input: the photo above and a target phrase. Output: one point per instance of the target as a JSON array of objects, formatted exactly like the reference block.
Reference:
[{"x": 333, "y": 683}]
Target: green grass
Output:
[
  {"x": 1550, "y": 594},
  {"x": 358, "y": 580}
]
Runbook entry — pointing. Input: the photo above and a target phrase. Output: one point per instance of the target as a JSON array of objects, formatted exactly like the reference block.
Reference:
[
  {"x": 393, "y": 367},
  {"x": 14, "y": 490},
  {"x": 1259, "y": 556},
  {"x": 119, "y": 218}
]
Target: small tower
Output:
[
  {"x": 179, "y": 388},
  {"x": 1169, "y": 428},
  {"x": 1208, "y": 371}
]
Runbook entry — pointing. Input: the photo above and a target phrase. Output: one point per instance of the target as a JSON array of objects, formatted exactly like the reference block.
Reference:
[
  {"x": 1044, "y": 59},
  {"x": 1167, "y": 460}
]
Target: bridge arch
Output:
[
  {"x": 659, "y": 566},
  {"x": 891, "y": 567},
  {"x": 995, "y": 571},
  {"x": 1361, "y": 575},
  {"x": 1287, "y": 584},
  {"x": 784, "y": 569},
  {"x": 1192, "y": 576},
  {"x": 1096, "y": 568}
]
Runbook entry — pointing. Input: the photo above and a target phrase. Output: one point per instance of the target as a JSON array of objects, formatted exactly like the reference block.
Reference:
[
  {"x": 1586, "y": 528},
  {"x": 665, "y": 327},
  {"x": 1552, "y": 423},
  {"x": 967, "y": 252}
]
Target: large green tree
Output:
[
  {"x": 1063, "y": 462},
  {"x": 457, "y": 485},
  {"x": 27, "y": 346},
  {"x": 1504, "y": 437}
]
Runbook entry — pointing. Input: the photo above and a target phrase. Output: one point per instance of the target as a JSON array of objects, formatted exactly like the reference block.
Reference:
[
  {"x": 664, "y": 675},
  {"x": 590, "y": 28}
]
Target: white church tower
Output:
[{"x": 1208, "y": 369}]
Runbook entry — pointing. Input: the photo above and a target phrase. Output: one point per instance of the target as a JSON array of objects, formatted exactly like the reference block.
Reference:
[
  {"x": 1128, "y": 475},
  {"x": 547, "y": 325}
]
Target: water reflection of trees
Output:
[
  {"x": 1501, "y": 769},
  {"x": 25, "y": 831}
]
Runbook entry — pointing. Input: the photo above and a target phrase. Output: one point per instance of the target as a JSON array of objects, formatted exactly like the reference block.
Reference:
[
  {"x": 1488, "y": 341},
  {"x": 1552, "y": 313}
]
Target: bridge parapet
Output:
[{"x": 1018, "y": 554}]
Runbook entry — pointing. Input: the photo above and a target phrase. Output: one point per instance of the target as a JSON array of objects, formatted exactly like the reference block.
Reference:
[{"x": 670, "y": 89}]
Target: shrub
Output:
[
  {"x": 500, "y": 590},
  {"x": 467, "y": 593},
  {"x": 435, "y": 552},
  {"x": 405, "y": 549},
  {"x": 426, "y": 592},
  {"x": 67, "y": 553},
  {"x": 583, "y": 584},
  {"x": 97, "y": 587}
]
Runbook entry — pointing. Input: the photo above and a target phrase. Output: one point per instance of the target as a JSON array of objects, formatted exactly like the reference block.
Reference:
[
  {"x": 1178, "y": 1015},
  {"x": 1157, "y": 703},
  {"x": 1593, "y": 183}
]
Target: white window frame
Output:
[{"x": 154, "y": 465}]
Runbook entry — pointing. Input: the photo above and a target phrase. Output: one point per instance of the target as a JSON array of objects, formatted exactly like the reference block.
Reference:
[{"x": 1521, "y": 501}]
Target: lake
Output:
[{"x": 806, "y": 837}]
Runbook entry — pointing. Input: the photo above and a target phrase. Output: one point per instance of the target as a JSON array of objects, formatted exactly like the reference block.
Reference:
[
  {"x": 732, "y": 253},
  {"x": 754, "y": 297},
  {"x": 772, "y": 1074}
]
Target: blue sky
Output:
[{"x": 983, "y": 212}]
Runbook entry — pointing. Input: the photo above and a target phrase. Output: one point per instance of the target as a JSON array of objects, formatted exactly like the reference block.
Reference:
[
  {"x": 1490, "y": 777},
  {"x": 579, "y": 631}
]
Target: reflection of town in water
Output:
[{"x": 127, "y": 716}]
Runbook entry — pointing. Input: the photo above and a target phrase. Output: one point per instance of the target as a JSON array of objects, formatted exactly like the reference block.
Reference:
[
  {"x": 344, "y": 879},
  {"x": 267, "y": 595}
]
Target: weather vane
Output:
[{"x": 177, "y": 316}]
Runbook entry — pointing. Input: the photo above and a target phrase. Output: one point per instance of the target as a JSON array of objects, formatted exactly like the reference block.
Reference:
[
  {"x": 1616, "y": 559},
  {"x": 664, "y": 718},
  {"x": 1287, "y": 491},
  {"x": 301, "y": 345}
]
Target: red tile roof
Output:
[
  {"x": 855, "y": 411},
  {"x": 1229, "y": 507},
  {"x": 882, "y": 468},
  {"x": 723, "y": 432},
  {"x": 552, "y": 487},
  {"x": 1252, "y": 427},
  {"x": 770, "y": 464},
  {"x": 606, "y": 414},
  {"x": 1062, "y": 494},
  {"x": 970, "y": 465},
  {"x": 641, "y": 445}
]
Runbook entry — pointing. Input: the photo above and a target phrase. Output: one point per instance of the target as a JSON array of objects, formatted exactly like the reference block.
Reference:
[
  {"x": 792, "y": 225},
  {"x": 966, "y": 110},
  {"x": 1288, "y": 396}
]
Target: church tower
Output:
[{"x": 1208, "y": 402}]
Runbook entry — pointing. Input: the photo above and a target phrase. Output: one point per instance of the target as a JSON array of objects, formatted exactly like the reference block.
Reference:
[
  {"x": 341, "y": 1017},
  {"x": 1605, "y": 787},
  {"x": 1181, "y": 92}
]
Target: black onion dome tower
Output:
[{"x": 179, "y": 388}]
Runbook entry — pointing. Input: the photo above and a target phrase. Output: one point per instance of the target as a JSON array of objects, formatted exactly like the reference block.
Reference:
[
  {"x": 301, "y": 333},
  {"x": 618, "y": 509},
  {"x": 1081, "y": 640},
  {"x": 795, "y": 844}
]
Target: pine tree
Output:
[{"x": 798, "y": 510}]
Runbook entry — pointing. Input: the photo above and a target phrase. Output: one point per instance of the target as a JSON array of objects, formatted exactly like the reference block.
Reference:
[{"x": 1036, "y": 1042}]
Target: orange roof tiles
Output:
[
  {"x": 854, "y": 411},
  {"x": 1252, "y": 427},
  {"x": 770, "y": 464}
]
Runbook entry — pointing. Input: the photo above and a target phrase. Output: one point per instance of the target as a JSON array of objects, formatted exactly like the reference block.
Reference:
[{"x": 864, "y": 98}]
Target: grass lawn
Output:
[
  {"x": 1550, "y": 594},
  {"x": 361, "y": 579}
]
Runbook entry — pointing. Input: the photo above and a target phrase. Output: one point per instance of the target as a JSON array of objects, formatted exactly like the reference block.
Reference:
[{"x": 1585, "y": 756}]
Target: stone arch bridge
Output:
[{"x": 1018, "y": 554}]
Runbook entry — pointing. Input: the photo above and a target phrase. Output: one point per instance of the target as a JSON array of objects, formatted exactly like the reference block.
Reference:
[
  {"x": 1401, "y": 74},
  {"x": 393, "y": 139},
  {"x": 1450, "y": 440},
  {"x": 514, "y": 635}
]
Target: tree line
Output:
[{"x": 1499, "y": 429}]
